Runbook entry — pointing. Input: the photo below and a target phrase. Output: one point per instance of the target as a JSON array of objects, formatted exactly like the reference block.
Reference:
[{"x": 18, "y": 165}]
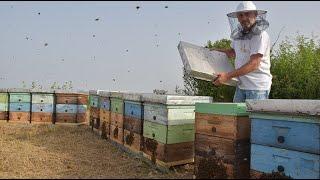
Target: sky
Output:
[{"x": 115, "y": 46}]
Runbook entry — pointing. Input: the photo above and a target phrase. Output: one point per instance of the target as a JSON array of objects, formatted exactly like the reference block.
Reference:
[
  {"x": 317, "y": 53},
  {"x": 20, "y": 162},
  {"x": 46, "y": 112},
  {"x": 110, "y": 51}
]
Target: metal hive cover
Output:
[
  {"x": 288, "y": 106},
  {"x": 104, "y": 93},
  {"x": 18, "y": 90},
  {"x": 204, "y": 64},
  {"x": 3, "y": 90},
  {"x": 132, "y": 96},
  {"x": 175, "y": 99},
  {"x": 42, "y": 91},
  {"x": 116, "y": 94},
  {"x": 93, "y": 92}
]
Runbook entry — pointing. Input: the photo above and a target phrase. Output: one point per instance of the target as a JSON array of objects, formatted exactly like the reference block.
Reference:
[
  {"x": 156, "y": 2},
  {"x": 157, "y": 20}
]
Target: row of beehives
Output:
[
  {"x": 159, "y": 127},
  {"x": 258, "y": 139},
  {"x": 24, "y": 105}
]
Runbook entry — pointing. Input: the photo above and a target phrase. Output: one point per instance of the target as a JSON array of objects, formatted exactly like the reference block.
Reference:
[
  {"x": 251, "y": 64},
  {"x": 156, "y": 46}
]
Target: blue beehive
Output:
[{"x": 285, "y": 137}]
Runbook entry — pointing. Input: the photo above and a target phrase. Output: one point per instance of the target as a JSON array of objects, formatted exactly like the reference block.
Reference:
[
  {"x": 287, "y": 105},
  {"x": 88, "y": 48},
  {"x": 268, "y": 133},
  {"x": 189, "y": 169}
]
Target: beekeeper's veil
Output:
[{"x": 237, "y": 31}]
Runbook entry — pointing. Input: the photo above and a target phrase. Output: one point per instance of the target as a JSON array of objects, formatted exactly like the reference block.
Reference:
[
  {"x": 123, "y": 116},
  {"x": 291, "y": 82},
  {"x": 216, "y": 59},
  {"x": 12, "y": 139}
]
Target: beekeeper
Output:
[{"x": 251, "y": 49}]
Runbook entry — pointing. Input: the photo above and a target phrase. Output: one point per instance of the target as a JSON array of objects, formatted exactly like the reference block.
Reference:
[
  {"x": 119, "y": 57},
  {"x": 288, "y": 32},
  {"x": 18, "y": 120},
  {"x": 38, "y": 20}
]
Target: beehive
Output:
[
  {"x": 19, "y": 105},
  {"x": 43, "y": 106},
  {"x": 222, "y": 142},
  {"x": 66, "y": 106},
  {"x": 285, "y": 137},
  {"x": 83, "y": 101},
  {"x": 4, "y": 101},
  {"x": 105, "y": 113},
  {"x": 133, "y": 122},
  {"x": 94, "y": 109},
  {"x": 116, "y": 115},
  {"x": 168, "y": 128}
]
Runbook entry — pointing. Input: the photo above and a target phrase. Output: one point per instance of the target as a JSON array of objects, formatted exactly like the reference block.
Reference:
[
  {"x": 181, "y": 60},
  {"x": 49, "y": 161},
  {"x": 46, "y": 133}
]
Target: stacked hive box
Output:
[
  {"x": 42, "y": 106},
  {"x": 94, "y": 109},
  {"x": 285, "y": 137},
  {"x": 19, "y": 105},
  {"x": 168, "y": 128},
  {"x": 222, "y": 142},
  {"x": 66, "y": 107},
  {"x": 4, "y": 98},
  {"x": 133, "y": 122},
  {"x": 116, "y": 126},
  {"x": 104, "y": 98},
  {"x": 82, "y": 98}
]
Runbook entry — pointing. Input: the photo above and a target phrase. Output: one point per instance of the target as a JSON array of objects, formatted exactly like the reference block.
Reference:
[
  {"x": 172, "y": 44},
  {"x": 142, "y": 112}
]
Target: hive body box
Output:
[
  {"x": 116, "y": 115},
  {"x": 104, "y": 100},
  {"x": 4, "y": 101},
  {"x": 133, "y": 122},
  {"x": 287, "y": 133},
  {"x": 43, "y": 106},
  {"x": 94, "y": 108},
  {"x": 20, "y": 105},
  {"x": 168, "y": 128},
  {"x": 222, "y": 140}
]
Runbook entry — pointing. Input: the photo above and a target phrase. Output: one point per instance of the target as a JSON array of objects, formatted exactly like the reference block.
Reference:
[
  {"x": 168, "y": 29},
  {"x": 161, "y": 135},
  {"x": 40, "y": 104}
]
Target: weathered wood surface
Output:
[
  {"x": 231, "y": 109},
  {"x": 117, "y": 119},
  {"x": 41, "y": 117},
  {"x": 211, "y": 168},
  {"x": 223, "y": 126},
  {"x": 116, "y": 134},
  {"x": 3, "y": 107},
  {"x": 105, "y": 115},
  {"x": 104, "y": 103},
  {"x": 20, "y": 97},
  {"x": 117, "y": 105},
  {"x": 298, "y": 165},
  {"x": 66, "y": 108},
  {"x": 47, "y": 108},
  {"x": 169, "y": 134},
  {"x": 132, "y": 140},
  {"x": 82, "y": 108},
  {"x": 231, "y": 151},
  {"x": 42, "y": 98},
  {"x": 94, "y": 101},
  {"x": 20, "y": 116},
  {"x": 168, "y": 152},
  {"x": 4, "y": 97},
  {"x": 290, "y": 135},
  {"x": 62, "y": 98},
  {"x": 169, "y": 115},
  {"x": 174, "y": 99},
  {"x": 82, "y": 117},
  {"x": 4, "y": 115},
  {"x": 20, "y": 107},
  {"x": 133, "y": 124},
  {"x": 133, "y": 109},
  {"x": 94, "y": 112},
  {"x": 66, "y": 117},
  {"x": 83, "y": 99}
]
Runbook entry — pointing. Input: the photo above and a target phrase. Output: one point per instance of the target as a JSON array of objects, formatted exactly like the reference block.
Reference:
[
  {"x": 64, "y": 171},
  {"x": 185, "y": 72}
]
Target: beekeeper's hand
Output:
[{"x": 221, "y": 78}]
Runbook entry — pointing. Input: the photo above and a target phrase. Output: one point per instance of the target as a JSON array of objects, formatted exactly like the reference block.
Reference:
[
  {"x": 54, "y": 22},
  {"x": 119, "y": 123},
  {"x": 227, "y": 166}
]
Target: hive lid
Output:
[
  {"x": 175, "y": 99},
  {"x": 285, "y": 106},
  {"x": 201, "y": 63},
  {"x": 104, "y": 93},
  {"x": 132, "y": 96},
  {"x": 49, "y": 91},
  {"x": 93, "y": 92},
  {"x": 232, "y": 109},
  {"x": 117, "y": 94},
  {"x": 20, "y": 90},
  {"x": 3, "y": 90}
]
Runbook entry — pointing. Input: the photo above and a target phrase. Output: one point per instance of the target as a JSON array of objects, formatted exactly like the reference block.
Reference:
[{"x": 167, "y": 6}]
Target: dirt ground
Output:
[{"x": 60, "y": 151}]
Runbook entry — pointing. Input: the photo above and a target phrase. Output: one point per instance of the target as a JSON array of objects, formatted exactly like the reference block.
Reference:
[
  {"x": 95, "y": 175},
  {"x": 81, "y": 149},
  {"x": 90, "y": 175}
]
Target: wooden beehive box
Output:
[
  {"x": 168, "y": 128},
  {"x": 94, "y": 109},
  {"x": 43, "y": 106},
  {"x": 19, "y": 105},
  {"x": 222, "y": 140},
  {"x": 105, "y": 114},
  {"x": 133, "y": 121},
  {"x": 287, "y": 133},
  {"x": 4, "y": 97},
  {"x": 116, "y": 116}
]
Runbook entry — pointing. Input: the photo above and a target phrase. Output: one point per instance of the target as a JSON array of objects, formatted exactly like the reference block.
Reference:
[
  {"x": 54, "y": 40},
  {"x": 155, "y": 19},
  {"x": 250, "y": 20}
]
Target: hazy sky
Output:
[{"x": 126, "y": 49}]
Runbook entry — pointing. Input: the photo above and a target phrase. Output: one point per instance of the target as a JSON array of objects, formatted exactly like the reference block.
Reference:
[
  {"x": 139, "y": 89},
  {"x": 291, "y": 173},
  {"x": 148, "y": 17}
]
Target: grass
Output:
[{"x": 59, "y": 151}]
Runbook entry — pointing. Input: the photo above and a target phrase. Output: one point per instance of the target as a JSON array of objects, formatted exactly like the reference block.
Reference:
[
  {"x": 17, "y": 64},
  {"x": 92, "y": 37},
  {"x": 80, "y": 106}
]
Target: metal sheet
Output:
[
  {"x": 46, "y": 91},
  {"x": 287, "y": 106},
  {"x": 131, "y": 96},
  {"x": 3, "y": 90},
  {"x": 204, "y": 64},
  {"x": 175, "y": 99},
  {"x": 116, "y": 94},
  {"x": 93, "y": 92},
  {"x": 104, "y": 93},
  {"x": 18, "y": 90}
]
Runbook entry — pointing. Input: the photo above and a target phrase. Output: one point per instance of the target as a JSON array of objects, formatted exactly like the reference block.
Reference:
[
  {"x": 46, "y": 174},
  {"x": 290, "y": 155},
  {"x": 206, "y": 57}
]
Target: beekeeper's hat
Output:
[{"x": 245, "y": 6}]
